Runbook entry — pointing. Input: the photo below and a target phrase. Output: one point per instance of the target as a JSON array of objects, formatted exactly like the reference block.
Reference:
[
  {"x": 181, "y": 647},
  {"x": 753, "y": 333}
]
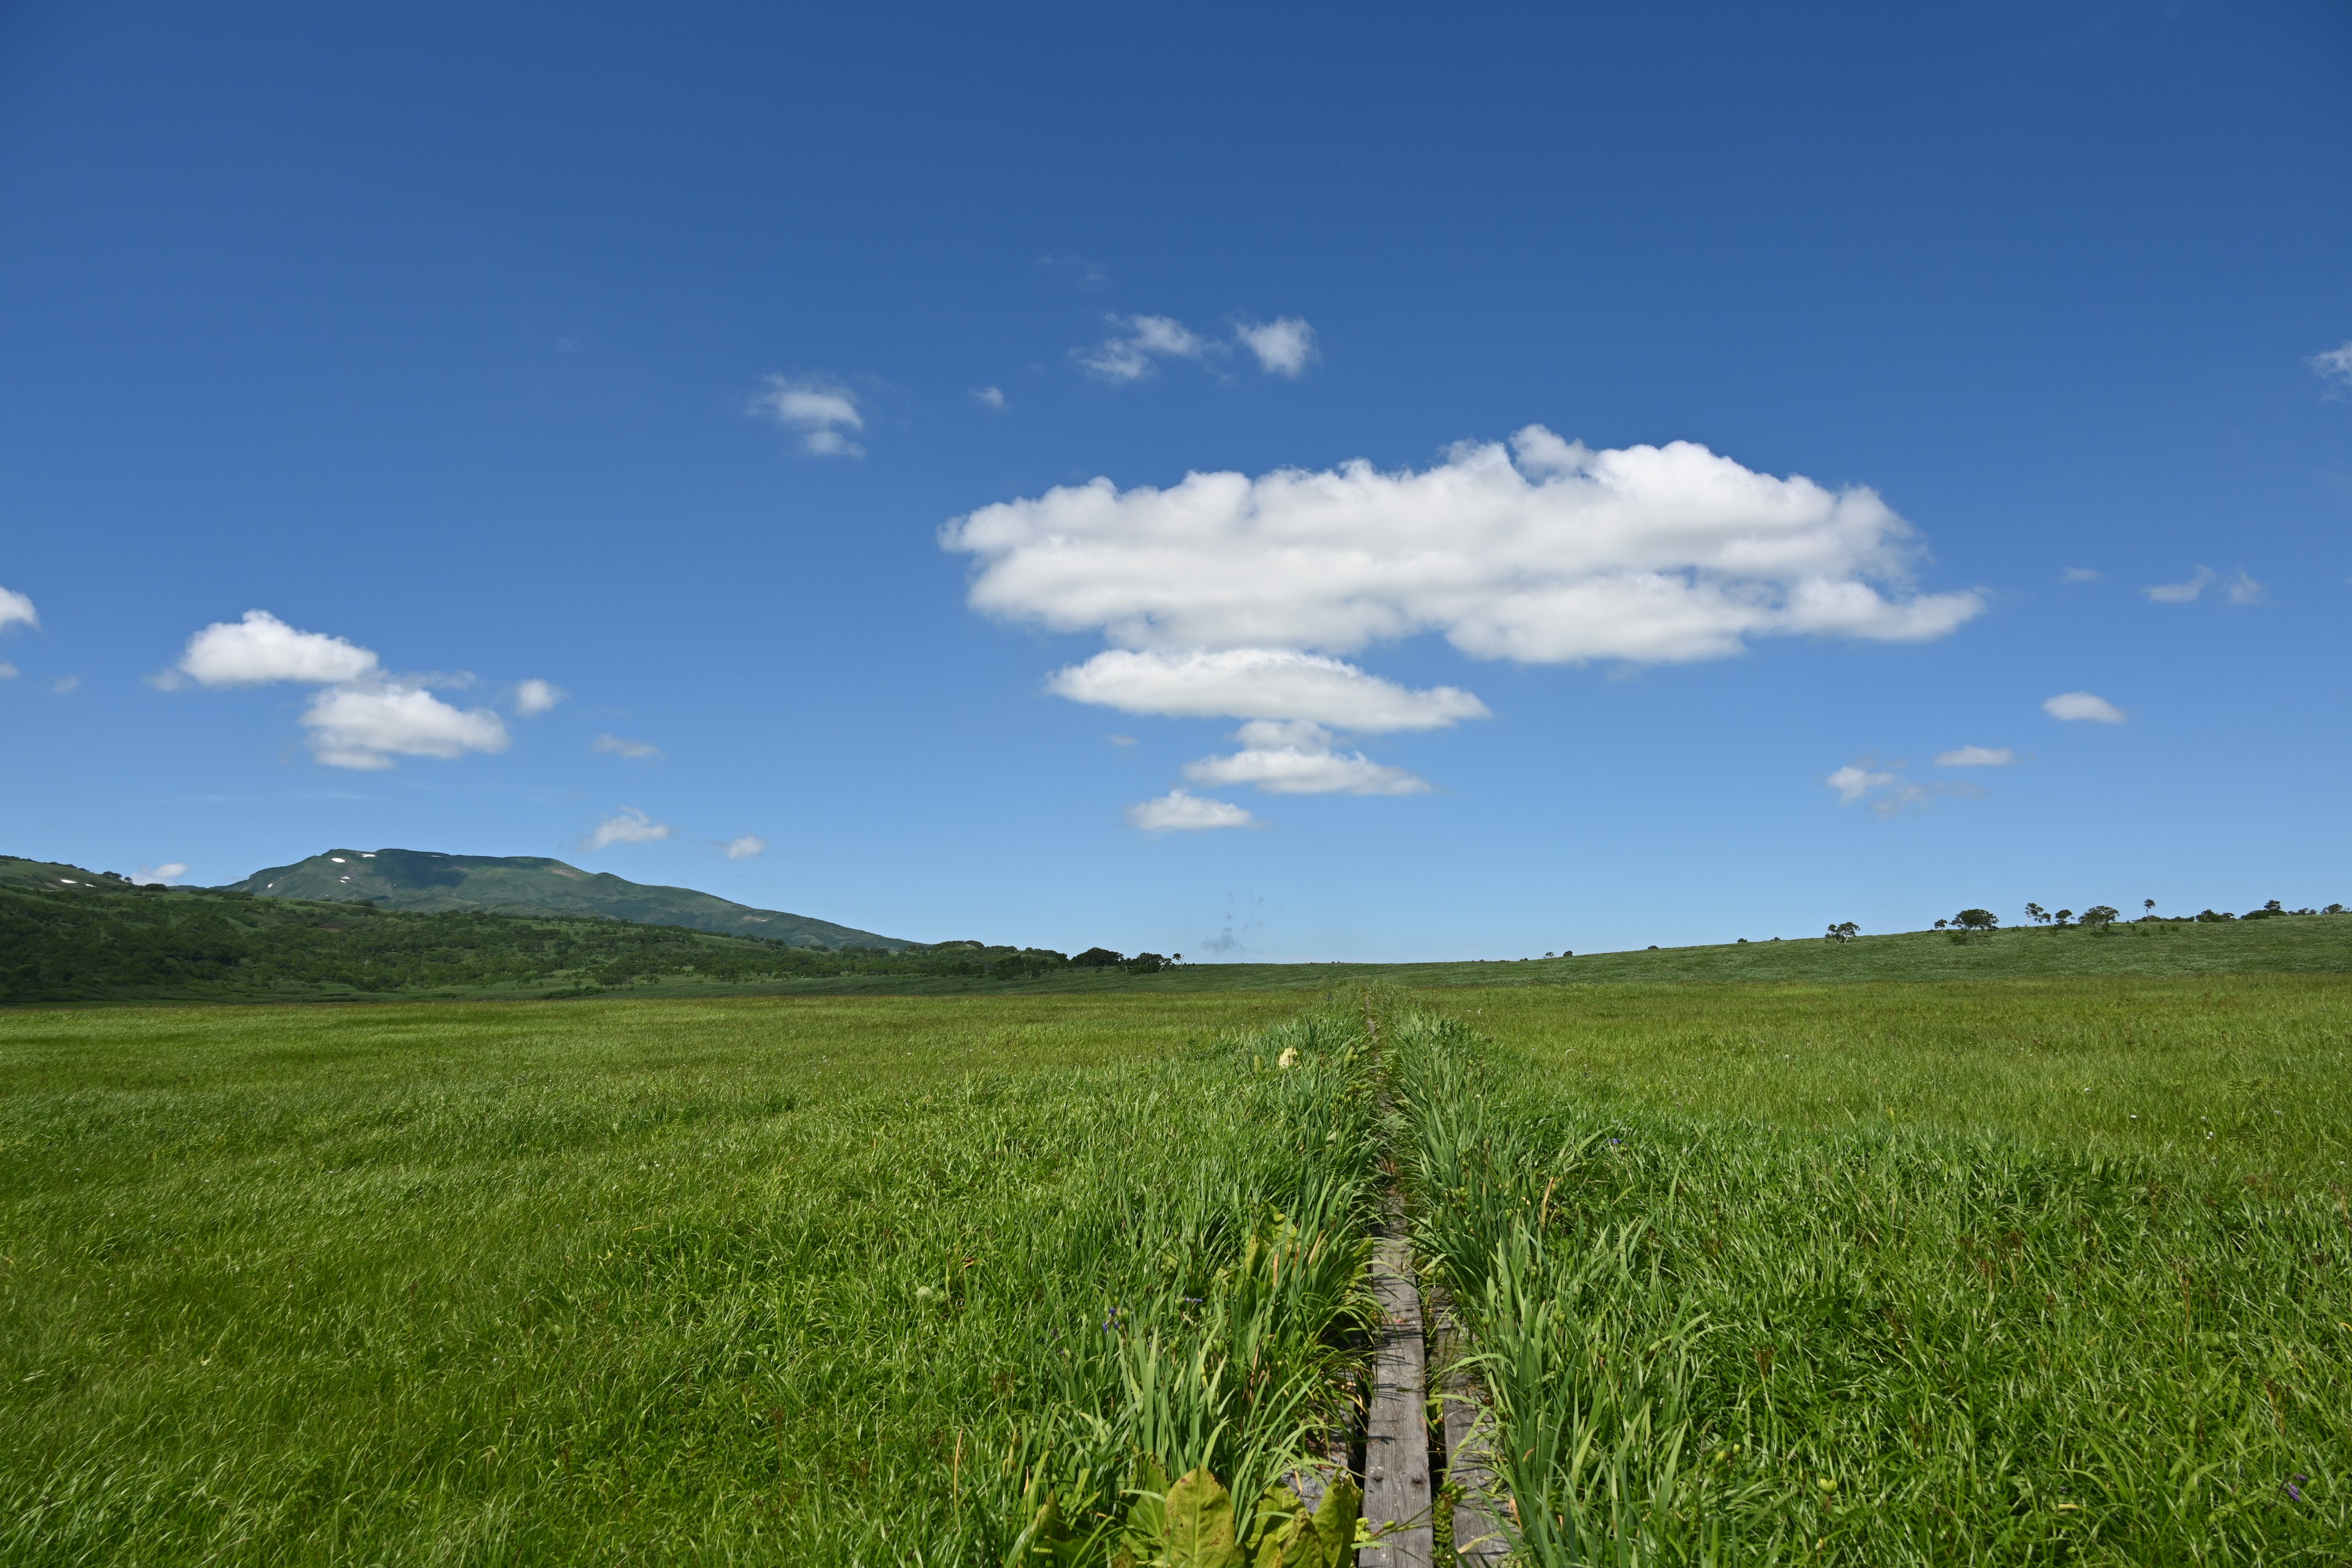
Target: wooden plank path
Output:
[
  {"x": 1478, "y": 1539},
  {"x": 1397, "y": 1492}
]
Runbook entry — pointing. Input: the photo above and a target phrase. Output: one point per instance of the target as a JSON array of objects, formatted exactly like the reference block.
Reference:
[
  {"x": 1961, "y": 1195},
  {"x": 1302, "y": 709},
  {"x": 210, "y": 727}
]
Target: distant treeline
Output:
[{"x": 117, "y": 941}]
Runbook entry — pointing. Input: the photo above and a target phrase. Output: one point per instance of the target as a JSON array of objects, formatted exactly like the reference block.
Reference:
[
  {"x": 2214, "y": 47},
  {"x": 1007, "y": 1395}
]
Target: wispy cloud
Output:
[
  {"x": 66, "y": 685},
  {"x": 2335, "y": 365},
  {"x": 2082, "y": 706},
  {"x": 16, "y": 610},
  {"x": 1975, "y": 757},
  {"x": 8, "y": 671},
  {"x": 626, "y": 825},
  {"x": 746, "y": 846},
  {"x": 1886, "y": 793},
  {"x": 1079, "y": 271},
  {"x": 1284, "y": 346},
  {"x": 2078, "y": 574},
  {"x": 824, "y": 412},
  {"x": 616, "y": 746},
  {"x": 1180, "y": 811},
  {"x": 162, "y": 876},
  {"x": 2241, "y": 589},
  {"x": 1138, "y": 343},
  {"x": 989, "y": 397},
  {"x": 2181, "y": 593}
]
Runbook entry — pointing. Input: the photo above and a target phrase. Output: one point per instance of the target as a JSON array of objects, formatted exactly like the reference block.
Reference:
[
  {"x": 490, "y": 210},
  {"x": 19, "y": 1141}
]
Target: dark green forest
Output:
[{"x": 107, "y": 939}]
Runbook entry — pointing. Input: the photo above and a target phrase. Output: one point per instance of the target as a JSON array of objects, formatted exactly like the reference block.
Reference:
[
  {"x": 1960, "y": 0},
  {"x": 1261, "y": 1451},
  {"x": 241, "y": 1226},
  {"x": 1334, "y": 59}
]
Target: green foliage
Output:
[
  {"x": 742, "y": 1280},
  {"x": 1224, "y": 1371},
  {"x": 1725, "y": 1328},
  {"x": 102, "y": 942}
]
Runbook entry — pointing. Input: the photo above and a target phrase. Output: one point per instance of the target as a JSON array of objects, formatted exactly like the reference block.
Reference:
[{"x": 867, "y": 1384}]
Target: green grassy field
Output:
[
  {"x": 780, "y": 1279},
  {"x": 2027, "y": 1271},
  {"x": 723, "y": 1281}
]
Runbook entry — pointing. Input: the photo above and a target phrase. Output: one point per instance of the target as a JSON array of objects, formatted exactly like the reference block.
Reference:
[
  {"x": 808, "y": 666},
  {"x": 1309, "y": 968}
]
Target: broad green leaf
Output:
[
  {"x": 1200, "y": 1531},
  {"x": 1336, "y": 1522}
]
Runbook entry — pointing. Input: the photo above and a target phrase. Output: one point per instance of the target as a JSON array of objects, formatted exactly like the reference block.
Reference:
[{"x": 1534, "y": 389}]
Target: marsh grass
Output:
[
  {"x": 724, "y": 1281},
  {"x": 1735, "y": 1318}
]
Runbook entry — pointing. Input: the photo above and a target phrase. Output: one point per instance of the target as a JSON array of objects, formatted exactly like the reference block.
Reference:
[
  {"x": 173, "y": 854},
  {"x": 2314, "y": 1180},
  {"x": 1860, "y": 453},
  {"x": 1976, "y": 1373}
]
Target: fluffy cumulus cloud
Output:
[
  {"x": 1546, "y": 552},
  {"x": 626, "y": 825},
  {"x": 824, "y": 413},
  {"x": 366, "y": 727},
  {"x": 1180, "y": 811},
  {"x": 1299, "y": 758},
  {"x": 1258, "y": 683},
  {"x": 362, "y": 717},
  {"x": 616, "y": 746},
  {"x": 1230, "y": 596},
  {"x": 1975, "y": 757},
  {"x": 2082, "y": 706},
  {"x": 261, "y": 650},
  {"x": 532, "y": 697},
  {"x": 16, "y": 610},
  {"x": 1284, "y": 346},
  {"x": 743, "y": 848},
  {"x": 162, "y": 876}
]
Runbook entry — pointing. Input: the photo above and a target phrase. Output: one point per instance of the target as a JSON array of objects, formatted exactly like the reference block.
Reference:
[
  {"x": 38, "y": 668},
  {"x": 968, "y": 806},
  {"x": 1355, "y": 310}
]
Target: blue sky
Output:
[{"x": 740, "y": 374}]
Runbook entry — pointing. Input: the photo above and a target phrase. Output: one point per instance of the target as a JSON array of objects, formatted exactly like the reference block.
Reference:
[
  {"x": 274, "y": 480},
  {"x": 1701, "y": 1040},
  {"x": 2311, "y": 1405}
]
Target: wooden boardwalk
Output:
[{"x": 1397, "y": 1493}]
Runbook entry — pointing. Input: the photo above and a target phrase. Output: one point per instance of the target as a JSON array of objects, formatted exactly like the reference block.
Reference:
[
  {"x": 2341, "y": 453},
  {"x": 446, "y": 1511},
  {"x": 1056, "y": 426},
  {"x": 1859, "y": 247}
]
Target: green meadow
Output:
[{"x": 2014, "y": 1266}]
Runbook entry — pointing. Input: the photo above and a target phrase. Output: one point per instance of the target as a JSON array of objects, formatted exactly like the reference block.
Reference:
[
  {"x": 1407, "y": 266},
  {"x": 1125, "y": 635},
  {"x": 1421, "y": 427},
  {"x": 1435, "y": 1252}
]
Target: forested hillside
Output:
[{"x": 69, "y": 935}]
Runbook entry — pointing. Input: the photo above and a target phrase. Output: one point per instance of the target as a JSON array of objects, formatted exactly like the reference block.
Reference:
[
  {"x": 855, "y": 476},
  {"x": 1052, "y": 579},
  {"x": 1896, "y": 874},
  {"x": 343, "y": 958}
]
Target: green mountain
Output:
[{"x": 533, "y": 885}]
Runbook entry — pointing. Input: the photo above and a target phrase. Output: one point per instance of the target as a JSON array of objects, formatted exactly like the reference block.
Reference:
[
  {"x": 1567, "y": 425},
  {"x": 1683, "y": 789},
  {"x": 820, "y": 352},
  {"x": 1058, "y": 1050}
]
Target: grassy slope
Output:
[
  {"x": 535, "y": 885},
  {"x": 542, "y": 1282}
]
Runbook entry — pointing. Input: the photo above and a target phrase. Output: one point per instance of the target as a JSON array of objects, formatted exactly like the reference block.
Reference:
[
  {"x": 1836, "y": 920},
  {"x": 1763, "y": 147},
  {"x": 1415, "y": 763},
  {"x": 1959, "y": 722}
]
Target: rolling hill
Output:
[{"x": 424, "y": 881}]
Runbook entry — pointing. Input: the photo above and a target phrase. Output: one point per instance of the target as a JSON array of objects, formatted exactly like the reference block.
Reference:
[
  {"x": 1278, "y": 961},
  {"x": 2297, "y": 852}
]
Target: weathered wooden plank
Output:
[
  {"x": 1396, "y": 1435},
  {"x": 1478, "y": 1539}
]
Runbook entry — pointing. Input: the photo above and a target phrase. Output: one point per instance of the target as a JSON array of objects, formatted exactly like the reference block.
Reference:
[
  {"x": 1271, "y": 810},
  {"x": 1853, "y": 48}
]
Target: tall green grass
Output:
[
  {"x": 679, "y": 1283},
  {"x": 1712, "y": 1333}
]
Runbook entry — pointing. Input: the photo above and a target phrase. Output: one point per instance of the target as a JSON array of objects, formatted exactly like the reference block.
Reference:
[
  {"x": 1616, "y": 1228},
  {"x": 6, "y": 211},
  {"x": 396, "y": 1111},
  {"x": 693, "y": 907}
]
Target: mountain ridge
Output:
[{"x": 426, "y": 880}]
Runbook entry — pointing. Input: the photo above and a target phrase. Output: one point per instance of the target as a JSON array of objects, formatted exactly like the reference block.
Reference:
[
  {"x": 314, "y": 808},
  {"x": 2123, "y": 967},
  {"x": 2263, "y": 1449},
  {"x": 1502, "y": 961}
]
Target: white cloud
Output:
[
  {"x": 7, "y": 671},
  {"x": 261, "y": 648},
  {"x": 743, "y": 848},
  {"x": 1646, "y": 555},
  {"x": 1889, "y": 795},
  {"x": 16, "y": 610},
  {"x": 2082, "y": 705},
  {"x": 989, "y": 397},
  {"x": 1975, "y": 757},
  {"x": 366, "y": 726},
  {"x": 1123, "y": 742},
  {"x": 626, "y": 825},
  {"x": 532, "y": 697},
  {"x": 1853, "y": 783},
  {"x": 2078, "y": 574},
  {"x": 2241, "y": 589},
  {"x": 823, "y": 411},
  {"x": 1284, "y": 346},
  {"x": 66, "y": 685},
  {"x": 2335, "y": 365},
  {"x": 614, "y": 745},
  {"x": 1180, "y": 812},
  {"x": 1296, "y": 758},
  {"x": 162, "y": 876},
  {"x": 1259, "y": 683},
  {"x": 2181, "y": 593},
  {"x": 1142, "y": 342}
]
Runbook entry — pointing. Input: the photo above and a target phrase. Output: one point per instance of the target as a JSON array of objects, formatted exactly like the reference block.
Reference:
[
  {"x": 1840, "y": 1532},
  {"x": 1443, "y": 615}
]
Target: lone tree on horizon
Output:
[{"x": 1977, "y": 921}]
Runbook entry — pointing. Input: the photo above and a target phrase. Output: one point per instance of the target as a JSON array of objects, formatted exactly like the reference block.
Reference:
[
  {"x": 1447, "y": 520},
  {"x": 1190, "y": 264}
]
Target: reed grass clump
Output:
[{"x": 1713, "y": 1337}]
